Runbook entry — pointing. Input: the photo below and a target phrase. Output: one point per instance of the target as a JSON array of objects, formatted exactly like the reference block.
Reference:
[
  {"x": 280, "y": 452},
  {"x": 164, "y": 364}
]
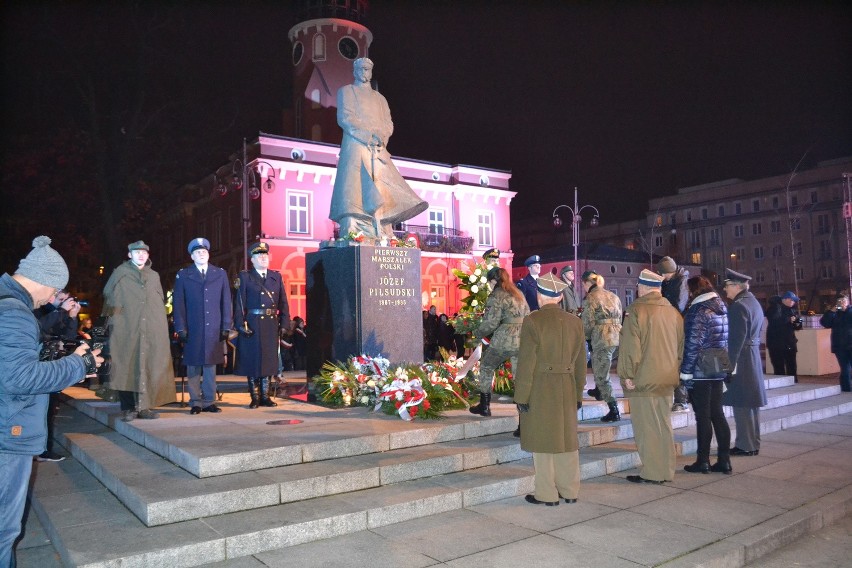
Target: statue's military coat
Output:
[
  {"x": 257, "y": 355},
  {"x": 202, "y": 308},
  {"x": 550, "y": 377},
  {"x": 141, "y": 359},
  {"x": 745, "y": 318}
]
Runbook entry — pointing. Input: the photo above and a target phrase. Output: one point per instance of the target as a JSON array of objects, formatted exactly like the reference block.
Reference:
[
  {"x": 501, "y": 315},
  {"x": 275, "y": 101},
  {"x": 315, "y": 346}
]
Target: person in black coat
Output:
[
  {"x": 261, "y": 315},
  {"x": 527, "y": 284},
  {"x": 839, "y": 320},
  {"x": 675, "y": 290},
  {"x": 783, "y": 322},
  {"x": 202, "y": 320}
]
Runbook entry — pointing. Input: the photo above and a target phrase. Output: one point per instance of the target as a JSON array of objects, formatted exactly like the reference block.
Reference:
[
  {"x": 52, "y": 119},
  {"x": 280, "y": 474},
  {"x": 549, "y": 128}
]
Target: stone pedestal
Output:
[{"x": 363, "y": 300}]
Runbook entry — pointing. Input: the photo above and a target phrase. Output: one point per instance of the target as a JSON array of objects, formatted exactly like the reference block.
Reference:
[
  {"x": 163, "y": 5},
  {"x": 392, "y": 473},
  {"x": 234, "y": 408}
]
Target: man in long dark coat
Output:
[
  {"x": 261, "y": 314},
  {"x": 141, "y": 360},
  {"x": 549, "y": 383},
  {"x": 746, "y": 391},
  {"x": 202, "y": 315}
]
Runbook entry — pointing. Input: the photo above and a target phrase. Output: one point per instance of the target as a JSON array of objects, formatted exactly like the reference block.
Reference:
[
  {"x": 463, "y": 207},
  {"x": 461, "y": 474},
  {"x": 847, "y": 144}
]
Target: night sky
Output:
[{"x": 627, "y": 101}]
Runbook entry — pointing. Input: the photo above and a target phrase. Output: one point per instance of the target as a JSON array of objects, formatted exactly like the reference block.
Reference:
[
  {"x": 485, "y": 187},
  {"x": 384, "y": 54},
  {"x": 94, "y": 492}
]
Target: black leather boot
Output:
[
  {"x": 264, "y": 393},
  {"x": 613, "y": 414},
  {"x": 253, "y": 387},
  {"x": 595, "y": 393},
  {"x": 484, "y": 406}
]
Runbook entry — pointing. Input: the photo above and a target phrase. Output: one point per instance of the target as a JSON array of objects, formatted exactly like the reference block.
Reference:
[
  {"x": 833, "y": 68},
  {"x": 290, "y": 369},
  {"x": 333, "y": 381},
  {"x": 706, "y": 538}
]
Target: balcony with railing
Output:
[{"x": 437, "y": 239}]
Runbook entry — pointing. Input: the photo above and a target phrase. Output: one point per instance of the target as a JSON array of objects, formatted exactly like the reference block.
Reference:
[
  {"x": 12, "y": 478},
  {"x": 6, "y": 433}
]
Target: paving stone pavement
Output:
[{"x": 789, "y": 506}]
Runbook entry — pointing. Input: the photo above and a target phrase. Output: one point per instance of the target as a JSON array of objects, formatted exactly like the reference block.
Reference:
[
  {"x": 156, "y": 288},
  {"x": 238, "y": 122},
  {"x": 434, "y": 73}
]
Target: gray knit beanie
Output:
[
  {"x": 667, "y": 265},
  {"x": 44, "y": 265}
]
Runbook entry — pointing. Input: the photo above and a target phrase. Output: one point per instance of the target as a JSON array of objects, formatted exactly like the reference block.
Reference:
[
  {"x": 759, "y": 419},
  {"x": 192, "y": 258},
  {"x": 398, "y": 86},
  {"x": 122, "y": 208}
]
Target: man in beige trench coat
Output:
[
  {"x": 549, "y": 385},
  {"x": 650, "y": 352}
]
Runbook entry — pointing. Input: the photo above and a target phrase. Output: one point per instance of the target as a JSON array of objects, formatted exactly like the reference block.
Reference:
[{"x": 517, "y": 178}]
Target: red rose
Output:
[
  {"x": 412, "y": 411},
  {"x": 397, "y": 404},
  {"x": 426, "y": 405}
]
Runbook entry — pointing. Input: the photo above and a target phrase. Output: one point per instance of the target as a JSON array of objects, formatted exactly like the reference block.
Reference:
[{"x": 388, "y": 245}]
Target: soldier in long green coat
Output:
[
  {"x": 505, "y": 310},
  {"x": 602, "y": 324},
  {"x": 549, "y": 383},
  {"x": 141, "y": 369}
]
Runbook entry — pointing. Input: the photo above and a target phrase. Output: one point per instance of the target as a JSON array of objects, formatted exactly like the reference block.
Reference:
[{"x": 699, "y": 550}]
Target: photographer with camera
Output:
[
  {"x": 58, "y": 322},
  {"x": 839, "y": 320},
  {"x": 26, "y": 382},
  {"x": 784, "y": 322}
]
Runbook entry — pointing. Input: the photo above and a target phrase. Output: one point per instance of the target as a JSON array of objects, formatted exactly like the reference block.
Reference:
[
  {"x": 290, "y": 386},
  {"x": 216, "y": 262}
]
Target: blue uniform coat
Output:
[
  {"x": 202, "y": 308},
  {"x": 257, "y": 356},
  {"x": 529, "y": 289}
]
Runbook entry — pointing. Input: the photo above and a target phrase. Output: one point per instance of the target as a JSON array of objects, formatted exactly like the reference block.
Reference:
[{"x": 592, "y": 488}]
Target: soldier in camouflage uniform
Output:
[
  {"x": 505, "y": 310},
  {"x": 602, "y": 323}
]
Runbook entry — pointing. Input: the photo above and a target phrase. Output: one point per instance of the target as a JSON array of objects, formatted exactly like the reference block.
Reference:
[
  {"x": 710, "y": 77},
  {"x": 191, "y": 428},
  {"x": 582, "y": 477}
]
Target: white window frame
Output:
[
  {"x": 437, "y": 220},
  {"x": 485, "y": 228},
  {"x": 299, "y": 209}
]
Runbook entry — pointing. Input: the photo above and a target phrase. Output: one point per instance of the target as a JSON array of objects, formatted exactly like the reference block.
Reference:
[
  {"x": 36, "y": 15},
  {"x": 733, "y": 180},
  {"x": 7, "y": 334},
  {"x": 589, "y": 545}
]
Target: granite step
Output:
[
  {"x": 76, "y": 508},
  {"x": 128, "y": 469},
  {"x": 196, "y": 443}
]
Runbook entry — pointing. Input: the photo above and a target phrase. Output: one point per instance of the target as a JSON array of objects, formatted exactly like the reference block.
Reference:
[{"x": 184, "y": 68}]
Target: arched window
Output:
[{"x": 319, "y": 47}]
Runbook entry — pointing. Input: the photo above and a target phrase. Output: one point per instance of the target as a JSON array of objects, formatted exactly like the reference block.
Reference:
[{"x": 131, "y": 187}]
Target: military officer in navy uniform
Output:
[
  {"x": 202, "y": 319},
  {"x": 528, "y": 283},
  {"x": 261, "y": 314}
]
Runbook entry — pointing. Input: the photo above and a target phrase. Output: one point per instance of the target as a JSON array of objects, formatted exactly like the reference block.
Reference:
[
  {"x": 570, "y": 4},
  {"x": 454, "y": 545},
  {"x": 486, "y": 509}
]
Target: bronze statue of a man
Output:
[{"x": 370, "y": 195}]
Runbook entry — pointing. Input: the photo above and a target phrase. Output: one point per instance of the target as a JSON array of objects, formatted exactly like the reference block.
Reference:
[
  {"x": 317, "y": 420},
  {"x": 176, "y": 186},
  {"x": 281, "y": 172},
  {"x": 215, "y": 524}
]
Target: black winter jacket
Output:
[
  {"x": 840, "y": 323},
  {"x": 705, "y": 327}
]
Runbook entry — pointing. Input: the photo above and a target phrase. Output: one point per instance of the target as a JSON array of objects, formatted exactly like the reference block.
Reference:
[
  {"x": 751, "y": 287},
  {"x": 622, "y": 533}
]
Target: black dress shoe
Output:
[
  {"x": 534, "y": 501},
  {"x": 517, "y": 432},
  {"x": 697, "y": 467},
  {"x": 211, "y": 408},
  {"x": 640, "y": 479},
  {"x": 195, "y": 410},
  {"x": 738, "y": 452},
  {"x": 567, "y": 500},
  {"x": 722, "y": 467}
]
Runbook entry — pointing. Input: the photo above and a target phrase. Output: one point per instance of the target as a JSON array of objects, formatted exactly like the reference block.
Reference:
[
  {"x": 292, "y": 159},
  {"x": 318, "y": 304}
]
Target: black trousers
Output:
[
  {"x": 783, "y": 360},
  {"x": 706, "y": 399}
]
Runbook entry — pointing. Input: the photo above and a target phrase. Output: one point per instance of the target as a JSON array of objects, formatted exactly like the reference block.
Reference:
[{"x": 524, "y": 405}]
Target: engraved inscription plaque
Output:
[{"x": 363, "y": 300}]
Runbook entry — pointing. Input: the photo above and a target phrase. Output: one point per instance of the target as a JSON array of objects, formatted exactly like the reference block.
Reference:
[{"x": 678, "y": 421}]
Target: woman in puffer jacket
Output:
[{"x": 706, "y": 327}]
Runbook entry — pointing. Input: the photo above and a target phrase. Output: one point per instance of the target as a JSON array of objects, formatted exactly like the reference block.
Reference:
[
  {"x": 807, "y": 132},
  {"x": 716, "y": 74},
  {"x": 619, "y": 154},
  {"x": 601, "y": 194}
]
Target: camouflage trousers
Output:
[
  {"x": 492, "y": 359},
  {"x": 601, "y": 363}
]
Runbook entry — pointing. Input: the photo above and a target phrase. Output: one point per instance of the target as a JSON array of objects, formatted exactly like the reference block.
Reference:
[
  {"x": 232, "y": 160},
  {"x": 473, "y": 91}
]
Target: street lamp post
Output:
[
  {"x": 576, "y": 219},
  {"x": 246, "y": 176}
]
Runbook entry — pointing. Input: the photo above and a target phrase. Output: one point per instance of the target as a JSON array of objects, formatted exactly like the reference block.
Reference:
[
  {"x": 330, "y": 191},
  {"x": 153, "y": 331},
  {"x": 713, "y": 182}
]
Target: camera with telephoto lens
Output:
[{"x": 55, "y": 348}]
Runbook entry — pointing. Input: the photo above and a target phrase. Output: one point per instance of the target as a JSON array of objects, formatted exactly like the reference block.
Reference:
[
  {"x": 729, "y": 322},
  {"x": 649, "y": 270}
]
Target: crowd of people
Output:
[
  {"x": 679, "y": 335},
  {"x": 680, "y": 344}
]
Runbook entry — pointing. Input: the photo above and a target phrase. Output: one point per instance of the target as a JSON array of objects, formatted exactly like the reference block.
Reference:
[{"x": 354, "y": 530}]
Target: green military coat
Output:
[{"x": 550, "y": 378}]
